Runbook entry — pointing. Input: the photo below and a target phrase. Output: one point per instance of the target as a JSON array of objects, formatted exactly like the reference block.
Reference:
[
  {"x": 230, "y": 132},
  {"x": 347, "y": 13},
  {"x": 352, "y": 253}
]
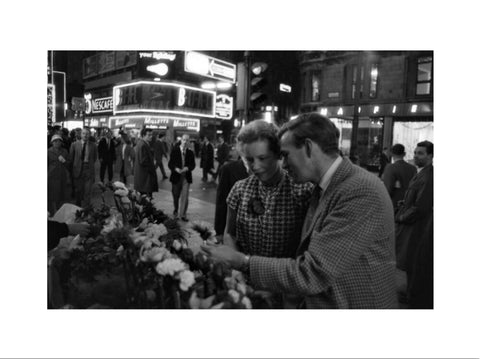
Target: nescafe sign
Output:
[{"x": 98, "y": 105}]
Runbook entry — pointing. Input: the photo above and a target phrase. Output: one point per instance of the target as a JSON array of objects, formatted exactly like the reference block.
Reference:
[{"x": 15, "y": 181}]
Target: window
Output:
[
  {"x": 316, "y": 86},
  {"x": 373, "y": 80},
  {"x": 424, "y": 75},
  {"x": 354, "y": 81}
]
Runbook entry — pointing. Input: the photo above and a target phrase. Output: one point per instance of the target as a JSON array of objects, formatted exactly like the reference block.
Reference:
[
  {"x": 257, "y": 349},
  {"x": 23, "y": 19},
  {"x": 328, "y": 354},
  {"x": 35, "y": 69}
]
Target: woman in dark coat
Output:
[{"x": 57, "y": 174}]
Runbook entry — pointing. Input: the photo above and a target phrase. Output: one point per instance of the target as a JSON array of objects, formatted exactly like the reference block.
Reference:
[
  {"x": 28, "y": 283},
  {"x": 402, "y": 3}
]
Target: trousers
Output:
[{"x": 180, "y": 192}]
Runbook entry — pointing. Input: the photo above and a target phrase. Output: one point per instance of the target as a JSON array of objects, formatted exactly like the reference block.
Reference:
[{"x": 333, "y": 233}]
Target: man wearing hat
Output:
[
  {"x": 83, "y": 155},
  {"x": 57, "y": 174},
  {"x": 398, "y": 174}
]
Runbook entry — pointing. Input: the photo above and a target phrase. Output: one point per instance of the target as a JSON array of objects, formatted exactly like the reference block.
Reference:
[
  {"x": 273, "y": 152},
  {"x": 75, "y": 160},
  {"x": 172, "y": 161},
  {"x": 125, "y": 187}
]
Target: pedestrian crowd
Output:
[{"x": 304, "y": 223}]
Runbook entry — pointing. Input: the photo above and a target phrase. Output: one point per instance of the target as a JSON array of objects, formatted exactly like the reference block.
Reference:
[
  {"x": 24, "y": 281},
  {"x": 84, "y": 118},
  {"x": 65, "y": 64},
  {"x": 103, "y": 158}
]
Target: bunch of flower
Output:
[{"x": 162, "y": 263}]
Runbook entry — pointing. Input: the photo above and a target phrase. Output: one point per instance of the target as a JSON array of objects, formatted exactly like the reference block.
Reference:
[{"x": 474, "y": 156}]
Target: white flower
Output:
[
  {"x": 110, "y": 225},
  {"x": 153, "y": 254},
  {"x": 120, "y": 249},
  {"x": 247, "y": 303},
  {"x": 118, "y": 184},
  {"x": 170, "y": 266},
  {"x": 138, "y": 238},
  {"x": 125, "y": 200},
  {"x": 144, "y": 224},
  {"x": 121, "y": 192},
  {"x": 187, "y": 279},
  {"x": 156, "y": 230},
  {"x": 177, "y": 245},
  {"x": 230, "y": 282},
  {"x": 198, "y": 303},
  {"x": 242, "y": 288},
  {"x": 234, "y": 295}
]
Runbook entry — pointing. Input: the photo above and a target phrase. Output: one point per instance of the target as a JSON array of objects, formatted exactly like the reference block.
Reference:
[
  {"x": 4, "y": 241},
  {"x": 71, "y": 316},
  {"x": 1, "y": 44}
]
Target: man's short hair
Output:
[
  {"x": 260, "y": 130},
  {"x": 144, "y": 131},
  {"x": 317, "y": 128},
  {"x": 398, "y": 150},
  {"x": 428, "y": 145}
]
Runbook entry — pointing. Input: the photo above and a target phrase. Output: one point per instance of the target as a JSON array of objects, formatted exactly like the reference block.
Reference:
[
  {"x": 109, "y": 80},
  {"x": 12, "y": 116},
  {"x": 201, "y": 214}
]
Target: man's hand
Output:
[
  {"x": 224, "y": 254},
  {"x": 82, "y": 229}
]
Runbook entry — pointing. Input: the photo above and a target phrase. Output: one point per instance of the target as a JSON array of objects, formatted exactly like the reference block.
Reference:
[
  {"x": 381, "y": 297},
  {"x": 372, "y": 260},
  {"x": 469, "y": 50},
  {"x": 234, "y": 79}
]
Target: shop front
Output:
[{"x": 380, "y": 126}]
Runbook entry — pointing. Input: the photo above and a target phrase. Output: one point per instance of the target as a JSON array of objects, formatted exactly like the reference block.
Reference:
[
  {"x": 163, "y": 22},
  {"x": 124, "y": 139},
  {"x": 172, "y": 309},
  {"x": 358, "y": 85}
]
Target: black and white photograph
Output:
[{"x": 240, "y": 180}]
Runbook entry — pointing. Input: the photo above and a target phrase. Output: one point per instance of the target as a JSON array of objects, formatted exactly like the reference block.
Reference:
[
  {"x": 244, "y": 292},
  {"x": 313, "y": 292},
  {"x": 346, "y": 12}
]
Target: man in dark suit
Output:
[
  {"x": 144, "y": 173},
  {"x": 346, "y": 257},
  {"x": 206, "y": 159},
  {"x": 160, "y": 149},
  {"x": 181, "y": 164},
  {"x": 416, "y": 211},
  {"x": 106, "y": 154},
  {"x": 83, "y": 154},
  {"x": 397, "y": 175}
]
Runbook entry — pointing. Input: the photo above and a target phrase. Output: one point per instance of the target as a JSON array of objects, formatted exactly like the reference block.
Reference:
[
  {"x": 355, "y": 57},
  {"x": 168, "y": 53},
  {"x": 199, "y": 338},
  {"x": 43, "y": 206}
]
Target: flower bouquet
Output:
[{"x": 138, "y": 257}]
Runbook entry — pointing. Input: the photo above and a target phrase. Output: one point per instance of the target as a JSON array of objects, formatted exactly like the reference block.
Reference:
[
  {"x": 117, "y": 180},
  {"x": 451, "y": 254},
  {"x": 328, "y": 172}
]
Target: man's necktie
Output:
[
  {"x": 312, "y": 209},
  {"x": 83, "y": 151}
]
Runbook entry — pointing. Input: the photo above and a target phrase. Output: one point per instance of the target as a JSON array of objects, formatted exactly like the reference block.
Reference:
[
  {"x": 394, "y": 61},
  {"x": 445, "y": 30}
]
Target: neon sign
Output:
[
  {"x": 224, "y": 106},
  {"x": 201, "y": 64},
  {"x": 98, "y": 105},
  {"x": 158, "y": 55},
  {"x": 163, "y": 97}
]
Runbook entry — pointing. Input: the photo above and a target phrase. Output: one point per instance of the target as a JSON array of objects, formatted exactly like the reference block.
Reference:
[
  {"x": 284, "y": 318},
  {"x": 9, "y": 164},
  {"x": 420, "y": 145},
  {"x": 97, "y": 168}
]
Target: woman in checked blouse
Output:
[{"x": 266, "y": 210}]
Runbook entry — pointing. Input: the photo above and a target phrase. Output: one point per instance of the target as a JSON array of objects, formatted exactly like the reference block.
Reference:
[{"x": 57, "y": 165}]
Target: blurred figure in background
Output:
[
  {"x": 126, "y": 158},
  {"x": 384, "y": 160},
  {"x": 223, "y": 153},
  {"x": 397, "y": 175},
  {"x": 106, "y": 154},
  {"x": 144, "y": 173},
  {"x": 160, "y": 148},
  {"x": 83, "y": 155},
  {"x": 206, "y": 159},
  {"x": 228, "y": 175},
  {"x": 57, "y": 174}
]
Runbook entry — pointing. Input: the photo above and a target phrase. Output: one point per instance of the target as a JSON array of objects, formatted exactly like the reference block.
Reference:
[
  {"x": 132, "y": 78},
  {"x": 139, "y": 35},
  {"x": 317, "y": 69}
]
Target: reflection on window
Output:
[
  {"x": 316, "y": 86},
  {"x": 373, "y": 80},
  {"x": 424, "y": 75}
]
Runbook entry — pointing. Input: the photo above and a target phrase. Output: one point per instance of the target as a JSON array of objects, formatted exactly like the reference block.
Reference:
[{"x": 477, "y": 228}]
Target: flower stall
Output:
[{"x": 137, "y": 257}]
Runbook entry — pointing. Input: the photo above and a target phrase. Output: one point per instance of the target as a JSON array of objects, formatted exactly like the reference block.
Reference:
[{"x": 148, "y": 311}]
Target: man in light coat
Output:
[{"x": 346, "y": 256}]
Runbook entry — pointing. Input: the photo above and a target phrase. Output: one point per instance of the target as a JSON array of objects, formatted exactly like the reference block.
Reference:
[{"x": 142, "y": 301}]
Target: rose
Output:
[
  {"x": 153, "y": 254},
  {"x": 177, "y": 245},
  {"x": 156, "y": 231},
  {"x": 187, "y": 279},
  {"x": 121, "y": 192},
  {"x": 119, "y": 185},
  {"x": 170, "y": 266},
  {"x": 234, "y": 295},
  {"x": 256, "y": 207}
]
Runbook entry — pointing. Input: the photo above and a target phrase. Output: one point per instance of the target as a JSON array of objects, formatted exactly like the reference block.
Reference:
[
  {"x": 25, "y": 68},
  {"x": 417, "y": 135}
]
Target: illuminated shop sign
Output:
[
  {"x": 156, "y": 122},
  {"x": 98, "y": 105},
  {"x": 224, "y": 108},
  {"x": 50, "y": 103},
  {"x": 189, "y": 124},
  {"x": 163, "y": 97},
  {"x": 158, "y": 55},
  {"x": 204, "y": 65}
]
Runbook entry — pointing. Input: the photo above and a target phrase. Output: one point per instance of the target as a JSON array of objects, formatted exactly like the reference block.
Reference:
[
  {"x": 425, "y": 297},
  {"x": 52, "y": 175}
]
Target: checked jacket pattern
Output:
[
  {"x": 346, "y": 256},
  {"x": 276, "y": 232}
]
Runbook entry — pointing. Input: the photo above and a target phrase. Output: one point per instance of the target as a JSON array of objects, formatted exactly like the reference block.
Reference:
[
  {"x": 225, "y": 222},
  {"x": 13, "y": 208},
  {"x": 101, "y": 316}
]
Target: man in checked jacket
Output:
[{"x": 346, "y": 256}]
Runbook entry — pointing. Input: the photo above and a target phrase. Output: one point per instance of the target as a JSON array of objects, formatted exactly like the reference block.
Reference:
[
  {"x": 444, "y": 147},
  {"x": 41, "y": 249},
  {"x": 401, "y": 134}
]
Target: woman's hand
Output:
[{"x": 226, "y": 254}]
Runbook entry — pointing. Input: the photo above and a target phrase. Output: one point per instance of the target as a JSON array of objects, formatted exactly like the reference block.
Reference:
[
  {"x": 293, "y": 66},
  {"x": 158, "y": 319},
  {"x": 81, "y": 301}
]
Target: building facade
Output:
[{"x": 376, "y": 98}]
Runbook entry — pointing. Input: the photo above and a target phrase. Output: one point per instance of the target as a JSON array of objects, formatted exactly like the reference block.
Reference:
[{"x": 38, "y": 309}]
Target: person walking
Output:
[
  {"x": 181, "y": 164},
  {"x": 346, "y": 257},
  {"x": 126, "y": 158},
  {"x": 58, "y": 161},
  {"x": 206, "y": 159},
  {"x": 160, "y": 149},
  {"x": 144, "y": 174},
  {"x": 83, "y": 155},
  {"x": 107, "y": 156}
]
